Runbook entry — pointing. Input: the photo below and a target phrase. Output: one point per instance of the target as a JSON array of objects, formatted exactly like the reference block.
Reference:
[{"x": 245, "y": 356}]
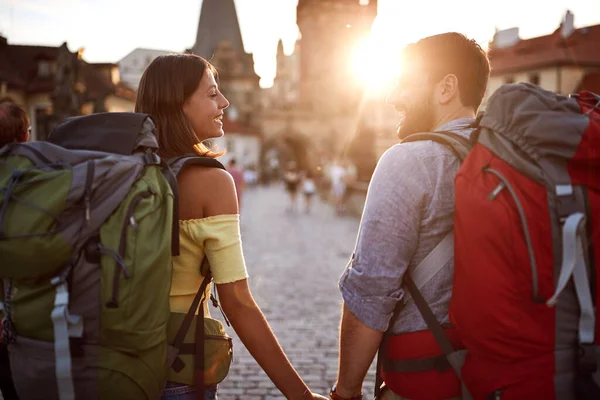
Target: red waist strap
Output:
[{"x": 425, "y": 385}]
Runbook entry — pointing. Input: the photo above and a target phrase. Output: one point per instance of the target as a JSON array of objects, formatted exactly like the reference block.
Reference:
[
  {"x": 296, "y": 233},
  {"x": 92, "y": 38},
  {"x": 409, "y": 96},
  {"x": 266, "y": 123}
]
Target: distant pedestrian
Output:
[
  {"x": 338, "y": 186},
  {"x": 291, "y": 177},
  {"x": 309, "y": 188},
  {"x": 238, "y": 178}
]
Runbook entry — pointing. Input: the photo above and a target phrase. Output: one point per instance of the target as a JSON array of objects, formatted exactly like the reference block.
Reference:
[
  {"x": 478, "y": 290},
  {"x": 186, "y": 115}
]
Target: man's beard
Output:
[{"x": 418, "y": 118}]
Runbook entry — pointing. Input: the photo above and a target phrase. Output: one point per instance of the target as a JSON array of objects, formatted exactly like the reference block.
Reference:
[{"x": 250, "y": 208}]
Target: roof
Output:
[
  {"x": 580, "y": 49},
  {"x": 218, "y": 22},
  {"x": 19, "y": 69},
  {"x": 591, "y": 82},
  {"x": 19, "y": 66},
  {"x": 235, "y": 127}
]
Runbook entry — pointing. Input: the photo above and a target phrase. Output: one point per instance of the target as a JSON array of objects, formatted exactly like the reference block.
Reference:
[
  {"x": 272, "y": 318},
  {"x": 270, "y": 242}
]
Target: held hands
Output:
[
  {"x": 308, "y": 395},
  {"x": 313, "y": 396}
]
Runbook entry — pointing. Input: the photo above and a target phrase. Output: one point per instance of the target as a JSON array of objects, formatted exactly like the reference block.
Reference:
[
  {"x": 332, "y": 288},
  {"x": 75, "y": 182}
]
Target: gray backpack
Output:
[{"x": 86, "y": 239}]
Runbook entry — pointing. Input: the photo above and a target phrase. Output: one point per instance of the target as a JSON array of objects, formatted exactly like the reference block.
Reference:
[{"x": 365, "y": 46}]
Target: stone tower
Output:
[
  {"x": 330, "y": 31},
  {"x": 219, "y": 40}
]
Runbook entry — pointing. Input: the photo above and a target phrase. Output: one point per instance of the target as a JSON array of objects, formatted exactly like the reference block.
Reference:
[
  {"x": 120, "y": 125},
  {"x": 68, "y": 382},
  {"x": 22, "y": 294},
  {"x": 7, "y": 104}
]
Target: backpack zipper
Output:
[
  {"x": 121, "y": 267},
  {"x": 228, "y": 338},
  {"x": 492, "y": 196}
]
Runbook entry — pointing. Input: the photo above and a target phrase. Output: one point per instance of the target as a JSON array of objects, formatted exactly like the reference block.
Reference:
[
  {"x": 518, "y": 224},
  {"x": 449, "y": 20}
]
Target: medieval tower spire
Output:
[
  {"x": 218, "y": 23},
  {"x": 219, "y": 40}
]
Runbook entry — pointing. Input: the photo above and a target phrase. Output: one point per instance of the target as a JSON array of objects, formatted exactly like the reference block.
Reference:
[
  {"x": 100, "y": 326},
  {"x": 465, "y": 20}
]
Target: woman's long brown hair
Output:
[{"x": 166, "y": 84}]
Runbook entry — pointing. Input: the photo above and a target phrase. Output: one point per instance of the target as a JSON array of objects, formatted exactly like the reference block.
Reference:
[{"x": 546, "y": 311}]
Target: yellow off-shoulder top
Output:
[{"x": 218, "y": 237}]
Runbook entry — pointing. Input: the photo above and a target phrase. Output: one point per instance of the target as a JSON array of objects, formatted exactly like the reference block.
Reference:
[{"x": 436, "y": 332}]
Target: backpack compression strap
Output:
[{"x": 178, "y": 347}]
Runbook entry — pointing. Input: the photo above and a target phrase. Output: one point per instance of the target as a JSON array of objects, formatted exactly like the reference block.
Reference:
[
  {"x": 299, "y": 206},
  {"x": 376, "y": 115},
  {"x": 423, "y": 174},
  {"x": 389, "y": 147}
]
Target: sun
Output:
[{"x": 375, "y": 63}]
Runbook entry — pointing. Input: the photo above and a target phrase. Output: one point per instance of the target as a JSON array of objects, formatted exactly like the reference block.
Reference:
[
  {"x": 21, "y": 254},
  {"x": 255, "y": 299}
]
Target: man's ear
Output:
[
  {"x": 24, "y": 137},
  {"x": 447, "y": 89}
]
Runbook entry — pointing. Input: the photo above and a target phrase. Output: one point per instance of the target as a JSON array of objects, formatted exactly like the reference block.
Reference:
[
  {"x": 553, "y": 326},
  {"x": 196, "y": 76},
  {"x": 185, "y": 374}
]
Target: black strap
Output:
[
  {"x": 172, "y": 180},
  {"x": 199, "y": 359},
  {"x": 189, "y": 317},
  {"x": 382, "y": 357},
  {"x": 178, "y": 164},
  {"x": 432, "y": 323}
]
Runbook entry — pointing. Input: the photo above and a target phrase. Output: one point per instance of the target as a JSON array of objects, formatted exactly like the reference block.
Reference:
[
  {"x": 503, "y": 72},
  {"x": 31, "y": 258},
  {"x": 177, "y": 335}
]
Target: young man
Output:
[
  {"x": 409, "y": 210},
  {"x": 14, "y": 124}
]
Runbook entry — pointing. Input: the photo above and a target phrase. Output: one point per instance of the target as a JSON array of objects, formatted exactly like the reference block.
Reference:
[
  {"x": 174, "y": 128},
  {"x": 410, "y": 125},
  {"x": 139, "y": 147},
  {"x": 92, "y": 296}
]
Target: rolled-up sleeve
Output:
[{"x": 371, "y": 284}]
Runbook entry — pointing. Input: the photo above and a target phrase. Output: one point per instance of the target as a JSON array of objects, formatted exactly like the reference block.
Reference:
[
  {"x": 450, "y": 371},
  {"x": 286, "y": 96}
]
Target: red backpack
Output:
[{"x": 527, "y": 247}]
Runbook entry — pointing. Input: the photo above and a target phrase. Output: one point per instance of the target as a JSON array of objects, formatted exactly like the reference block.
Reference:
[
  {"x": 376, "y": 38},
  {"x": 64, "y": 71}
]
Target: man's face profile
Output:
[{"x": 412, "y": 97}]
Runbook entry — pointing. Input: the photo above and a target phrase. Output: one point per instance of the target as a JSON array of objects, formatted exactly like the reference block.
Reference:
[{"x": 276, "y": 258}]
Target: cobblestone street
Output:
[{"x": 294, "y": 260}]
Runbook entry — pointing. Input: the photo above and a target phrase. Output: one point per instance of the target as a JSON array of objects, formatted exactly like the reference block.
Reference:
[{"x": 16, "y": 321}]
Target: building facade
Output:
[
  {"x": 315, "y": 110},
  {"x": 566, "y": 61},
  {"x": 133, "y": 65},
  {"x": 53, "y": 83}
]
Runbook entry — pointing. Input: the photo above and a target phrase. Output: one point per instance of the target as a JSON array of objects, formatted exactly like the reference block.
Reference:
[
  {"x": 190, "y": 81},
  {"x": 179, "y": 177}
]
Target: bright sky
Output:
[{"x": 110, "y": 29}]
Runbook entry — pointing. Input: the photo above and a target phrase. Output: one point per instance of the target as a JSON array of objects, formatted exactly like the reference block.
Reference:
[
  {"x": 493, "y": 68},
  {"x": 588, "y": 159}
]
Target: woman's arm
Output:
[
  {"x": 254, "y": 331},
  {"x": 206, "y": 192}
]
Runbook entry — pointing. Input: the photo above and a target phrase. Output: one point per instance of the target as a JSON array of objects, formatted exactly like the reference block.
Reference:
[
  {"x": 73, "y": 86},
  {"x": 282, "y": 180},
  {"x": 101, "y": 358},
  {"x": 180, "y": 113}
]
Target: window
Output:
[
  {"x": 534, "y": 78},
  {"x": 44, "y": 69}
]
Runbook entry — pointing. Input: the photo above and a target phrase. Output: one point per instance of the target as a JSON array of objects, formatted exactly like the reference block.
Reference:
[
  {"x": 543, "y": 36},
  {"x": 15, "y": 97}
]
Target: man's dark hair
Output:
[
  {"x": 232, "y": 161},
  {"x": 454, "y": 53},
  {"x": 14, "y": 123}
]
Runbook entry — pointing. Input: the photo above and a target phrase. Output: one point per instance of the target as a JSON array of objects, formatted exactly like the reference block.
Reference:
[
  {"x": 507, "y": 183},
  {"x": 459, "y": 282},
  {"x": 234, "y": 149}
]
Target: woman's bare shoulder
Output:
[{"x": 205, "y": 192}]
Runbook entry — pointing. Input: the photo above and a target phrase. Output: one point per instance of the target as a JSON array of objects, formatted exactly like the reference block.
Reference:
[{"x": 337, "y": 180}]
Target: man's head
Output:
[
  {"x": 232, "y": 162},
  {"x": 444, "y": 77},
  {"x": 14, "y": 124}
]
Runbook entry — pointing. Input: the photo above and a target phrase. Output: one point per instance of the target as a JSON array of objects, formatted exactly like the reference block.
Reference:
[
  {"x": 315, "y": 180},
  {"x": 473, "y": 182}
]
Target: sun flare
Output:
[{"x": 375, "y": 64}]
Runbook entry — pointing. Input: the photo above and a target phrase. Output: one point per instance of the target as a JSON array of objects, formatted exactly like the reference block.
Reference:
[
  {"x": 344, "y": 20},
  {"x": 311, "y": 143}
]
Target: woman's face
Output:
[{"x": 204, "y": 108}]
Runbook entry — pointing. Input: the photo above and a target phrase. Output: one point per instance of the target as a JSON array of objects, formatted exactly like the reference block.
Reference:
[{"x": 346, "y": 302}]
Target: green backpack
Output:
[{"x": 86, "y": 239}]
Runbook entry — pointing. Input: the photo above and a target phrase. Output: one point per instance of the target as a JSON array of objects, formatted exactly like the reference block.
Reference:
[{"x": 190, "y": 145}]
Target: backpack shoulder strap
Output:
[
  {"x": 172, "y": 167},
  {"x": 178, "y": 164},
  {"x": 456, "y": 143},
  {"x": 432, "y": 264}
]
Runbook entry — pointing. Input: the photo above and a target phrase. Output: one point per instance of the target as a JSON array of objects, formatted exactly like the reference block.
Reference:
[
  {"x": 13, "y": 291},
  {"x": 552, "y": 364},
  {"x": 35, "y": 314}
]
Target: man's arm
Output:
[
  {"x": 371, "y": 285},
  {"x": 358, "y": 346}
]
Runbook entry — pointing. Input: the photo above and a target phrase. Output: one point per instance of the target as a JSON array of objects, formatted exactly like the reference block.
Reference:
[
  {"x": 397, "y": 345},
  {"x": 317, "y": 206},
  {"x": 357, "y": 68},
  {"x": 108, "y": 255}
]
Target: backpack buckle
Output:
[
  {"x": 151, "y": 159},
  {"x": 587, "y": 362}
]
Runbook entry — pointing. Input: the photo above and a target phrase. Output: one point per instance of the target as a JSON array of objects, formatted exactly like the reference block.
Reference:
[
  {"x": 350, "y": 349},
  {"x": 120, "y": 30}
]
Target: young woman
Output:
[{"x": 181, "y": 94}]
